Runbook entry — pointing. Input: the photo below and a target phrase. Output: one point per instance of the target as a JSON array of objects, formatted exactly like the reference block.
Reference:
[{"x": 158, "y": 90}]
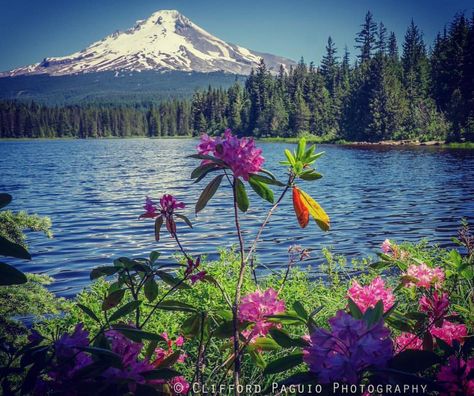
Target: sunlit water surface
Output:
[{"x": 93, "y": 191}]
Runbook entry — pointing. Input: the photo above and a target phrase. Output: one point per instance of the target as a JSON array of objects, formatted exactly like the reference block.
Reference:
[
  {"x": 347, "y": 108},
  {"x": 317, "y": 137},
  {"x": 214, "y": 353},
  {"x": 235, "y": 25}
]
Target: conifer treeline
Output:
[{"x": 418, "y": 94}]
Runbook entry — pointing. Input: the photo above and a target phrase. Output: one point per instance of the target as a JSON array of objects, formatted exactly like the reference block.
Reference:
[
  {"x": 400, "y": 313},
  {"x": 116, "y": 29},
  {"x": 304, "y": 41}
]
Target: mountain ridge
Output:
[{"x": 165, "y": 41}]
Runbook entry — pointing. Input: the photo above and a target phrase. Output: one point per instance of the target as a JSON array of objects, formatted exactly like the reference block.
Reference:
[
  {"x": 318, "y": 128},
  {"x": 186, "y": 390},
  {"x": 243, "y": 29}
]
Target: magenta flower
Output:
[
  {"x": 240, "y": 155},
  {"x": 367, "y": 296},
  {"x": 150, "y": 209},
  {"x": 197, "y": 277},
  {"x": 457, "y": 377},
  {"x": 179, "y": 385},
  {"x": 425, "y": 276},
  {"x": 349, "y": 349},
  {"x": 169, "y": 204},
  {"x": 449, "y": 332},
  {"x": 162, "y": 354},
  {"x": 255, "y": 308},
  {"x": 386, "y": 247},
  {"x": 436, "y": 307},
  {"x": 408, "y": 341}
]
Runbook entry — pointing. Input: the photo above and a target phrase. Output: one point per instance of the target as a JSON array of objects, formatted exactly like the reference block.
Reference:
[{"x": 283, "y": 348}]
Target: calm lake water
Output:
[{"x": 94, "y": 190}]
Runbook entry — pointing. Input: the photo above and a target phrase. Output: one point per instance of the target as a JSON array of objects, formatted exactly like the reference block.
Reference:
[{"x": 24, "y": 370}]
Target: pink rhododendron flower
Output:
[
  {"x": 151, "y": 210},
  {"x": 457, "y": 377},
  {"x": 345, "y": 352},
  {"x": 425, "y": 276},
  {"x": 367, "y": 296},
  {"x": 241, "y": 155},
  {"x": 408, "y": 341},
  {"x": 436, "y": 307},
  {"x": 168, "y": 204},
  {"x": 255, "y": 307},
  {"x": 386, "y": 247},
  {"x": 449, "y": 332},
  {"x": 179, "y": 385},
  {"x": 162, "y": 354}
]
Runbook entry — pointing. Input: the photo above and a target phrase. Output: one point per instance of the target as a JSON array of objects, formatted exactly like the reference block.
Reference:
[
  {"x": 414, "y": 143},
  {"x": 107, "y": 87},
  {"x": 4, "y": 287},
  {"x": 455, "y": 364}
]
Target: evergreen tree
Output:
[{"x": 366, "y": 38}]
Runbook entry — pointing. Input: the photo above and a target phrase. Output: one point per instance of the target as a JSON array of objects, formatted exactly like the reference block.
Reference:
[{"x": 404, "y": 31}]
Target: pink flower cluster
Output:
[
  {"x": 255, "y": 307},
  {"x": 345, "y": 352},
  {"x": 449, "y": 332},
  {"x": 425, "y": 276},
  {"x": 408, "y": 341},
  {"x": 162, "y": 354},
  {"x": 168, "y": 204},
  {"x": 386, "y": 247},
  {"x": 436, "y": 307},
  {"x": 367, "y": 296},
  {"x": 241, "y": 155},
  {"x": 457, "y": 377}
]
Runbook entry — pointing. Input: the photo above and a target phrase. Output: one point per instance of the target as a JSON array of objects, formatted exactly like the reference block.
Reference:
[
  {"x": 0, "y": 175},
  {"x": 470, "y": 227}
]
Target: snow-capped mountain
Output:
[{"x": 166, "y": 41}]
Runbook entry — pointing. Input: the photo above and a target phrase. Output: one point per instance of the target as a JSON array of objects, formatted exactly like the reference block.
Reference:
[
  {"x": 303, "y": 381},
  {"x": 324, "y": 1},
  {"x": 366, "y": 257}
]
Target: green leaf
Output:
[
  {"x": 160, "y": 373},
  {"x": 5, "y": 199},
  {"x": 172, "y": 281},
  {"x": 151, "y": 289},
  {"x": 172, "y": 305},
  {"x": 286, "y": 318},
  {"x": 208, "y": 193},
  {"x": 354, "y": 309},
  {"x": 113, "y": 299},
  {"x": 264, "y": 344},
  {"x": 300, "y": 310},
  {"x": 290, "y": 157},
  {"x": 103, "y": 271},
  {"x": 226, "y": 328},
  {"x": 125, "y": 310},
  {"x": 154, "y": 255},
  {"x": 310, "y": 175},
  {"x": 241, "y": 195},
  {"x": 170, "y": 360},
  {"x": 185, "y": 219},
  {"x": 138, "y": 335},
  {"x": 261, "y": 189},
  {"x": 414, "y": 361},
  {"x": 207, "y": 157},
  {"x": 202, "y": 169},
  {"x": 300, "y": 149},
  {"x": 283, "y": 339},
  {"x": 158, "y": 223},
  {"x": 256, "y": 357},
  {"x": 88, "y": 312},
  {"x": 283, "y": 364},
  {"x": 10, "y": 249},
  {"x": 10, "y": 275},
  {"x": 114, "y": 359},
  {"x": 192, "y": 325},
  {"x": 267, "y": 180},
  {"x": 374, "y": 315}
]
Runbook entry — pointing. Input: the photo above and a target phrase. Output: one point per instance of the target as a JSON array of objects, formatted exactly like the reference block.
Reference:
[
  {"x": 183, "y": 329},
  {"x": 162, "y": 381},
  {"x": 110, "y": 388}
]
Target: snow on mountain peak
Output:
[{"x": 165, "y": 41}]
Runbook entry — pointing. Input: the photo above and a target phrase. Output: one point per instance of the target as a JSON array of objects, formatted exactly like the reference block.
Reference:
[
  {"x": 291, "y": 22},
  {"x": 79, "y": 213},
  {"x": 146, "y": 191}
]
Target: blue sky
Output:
[{"x": 33, "y": 29}]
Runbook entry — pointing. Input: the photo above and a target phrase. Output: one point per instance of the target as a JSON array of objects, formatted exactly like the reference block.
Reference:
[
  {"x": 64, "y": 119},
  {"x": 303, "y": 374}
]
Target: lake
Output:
[{"x": 94, "y": 190}]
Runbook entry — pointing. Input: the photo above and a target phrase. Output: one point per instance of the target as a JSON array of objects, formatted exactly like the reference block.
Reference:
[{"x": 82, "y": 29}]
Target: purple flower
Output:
[
  {"x": 197, "y": 277},
  {"x": 346, "y": 351}
]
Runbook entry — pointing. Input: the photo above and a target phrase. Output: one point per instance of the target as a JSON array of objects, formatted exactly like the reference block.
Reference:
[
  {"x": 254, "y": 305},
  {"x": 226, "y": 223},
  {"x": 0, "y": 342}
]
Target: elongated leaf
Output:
[
  {"x": 290, "y": 157},
  {"x": 158, "y": 223},
  {"x": 267, "y": 180},
  {"x": 283, "y": 339},
  {"x": 106, "y": 354},
  {"x": 5, "y": 199},
  {"x": 191, "y": 326},
  {"x": 125, "y": 310},
  {"x": 173, "y": 305},
  {"x": 208, "y": 193},
  {"x": 171, "y": 280},
  {"x": 154, "y": 255},
  {"x": 310, "y": 175},
  {"x": 301, "y": 211},
  {"x": 202, "y": 169},
  {"x": 283, "y": 364},
  {"x": 374, "y": 315},
  {"x": 300, "y": 149},
  {"x": 185, "y": 219},
  {"x": 264, "y": 344},
  {"x": 354, "y": 309},
  {"x": 113, "y": 299},
  {"x": 414, "y": 361},
  {"x": 241, "y": 195},
  {"x": 160, "y": 373},
  {"x": 318, "y": 213},
  {"x": 103, "y": 271},
  {"x": 10, "y": 275},
  {"x": 138, "y": 335},
  {"x": 170, "y": 360},
  {"x": 151, "y": 289},
  {"x": 88, "y": 312},
  {"x": 261, "y": 189},
  {"x": 208, "y": 157},
  {"x": 10, "y": 249},
  {"x": 300, "y": 310}
]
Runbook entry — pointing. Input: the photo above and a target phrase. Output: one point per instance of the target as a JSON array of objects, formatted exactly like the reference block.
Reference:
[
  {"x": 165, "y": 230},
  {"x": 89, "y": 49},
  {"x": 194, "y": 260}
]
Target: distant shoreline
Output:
[{"x": 383, "y": 143}]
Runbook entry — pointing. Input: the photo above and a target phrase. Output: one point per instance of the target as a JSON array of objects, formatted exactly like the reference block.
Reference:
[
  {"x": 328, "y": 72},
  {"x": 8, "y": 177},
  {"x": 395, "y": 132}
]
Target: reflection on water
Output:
[{"x": 93, "y": 190}]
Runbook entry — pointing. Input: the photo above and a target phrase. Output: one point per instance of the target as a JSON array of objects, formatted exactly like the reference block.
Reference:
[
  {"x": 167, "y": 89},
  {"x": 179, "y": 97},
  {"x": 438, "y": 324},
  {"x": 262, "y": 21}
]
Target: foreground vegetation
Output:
[{"x": 153, "y": 326}]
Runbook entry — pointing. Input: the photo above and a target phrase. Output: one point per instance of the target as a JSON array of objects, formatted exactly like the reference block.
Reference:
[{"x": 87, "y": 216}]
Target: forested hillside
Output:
[{"x": 389, "y": 92}]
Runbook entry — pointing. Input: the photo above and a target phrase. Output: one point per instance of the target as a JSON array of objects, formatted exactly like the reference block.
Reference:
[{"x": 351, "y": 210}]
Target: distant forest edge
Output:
[{"x": 420, "y": 94}]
